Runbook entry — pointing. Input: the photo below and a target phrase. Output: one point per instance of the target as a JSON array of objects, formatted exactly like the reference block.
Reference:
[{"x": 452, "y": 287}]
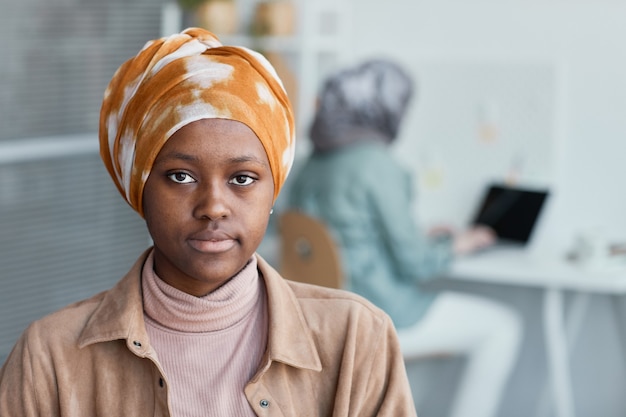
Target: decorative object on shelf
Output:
[
  {"x": 218, "y": 16},
  {"x": 274, "y": 18}
]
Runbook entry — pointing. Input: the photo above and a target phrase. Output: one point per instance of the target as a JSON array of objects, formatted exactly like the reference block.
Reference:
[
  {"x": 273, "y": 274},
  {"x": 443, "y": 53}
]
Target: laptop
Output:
[{"x": 511, "y": 211}]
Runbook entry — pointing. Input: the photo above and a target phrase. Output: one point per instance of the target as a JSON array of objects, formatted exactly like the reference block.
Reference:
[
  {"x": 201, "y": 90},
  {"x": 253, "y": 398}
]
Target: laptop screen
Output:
[{"x": 511, "y": 212}]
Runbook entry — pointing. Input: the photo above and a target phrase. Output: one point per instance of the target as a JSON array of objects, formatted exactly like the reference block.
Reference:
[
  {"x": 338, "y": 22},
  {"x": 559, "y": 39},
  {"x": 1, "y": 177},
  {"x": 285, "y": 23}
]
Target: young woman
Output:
[
  {"x": 355, "y": 185},
  {"x": 198, "y": 137}
]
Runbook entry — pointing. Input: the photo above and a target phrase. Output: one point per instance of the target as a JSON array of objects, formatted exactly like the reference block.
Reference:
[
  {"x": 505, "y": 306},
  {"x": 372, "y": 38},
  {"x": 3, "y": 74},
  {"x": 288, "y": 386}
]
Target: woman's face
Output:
[{"x": 207, "y": 203}]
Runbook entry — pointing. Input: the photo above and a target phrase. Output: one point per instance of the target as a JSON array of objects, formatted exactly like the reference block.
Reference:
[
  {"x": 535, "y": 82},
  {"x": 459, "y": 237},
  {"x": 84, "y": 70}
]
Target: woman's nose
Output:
[{"x": 211, "y": 202}]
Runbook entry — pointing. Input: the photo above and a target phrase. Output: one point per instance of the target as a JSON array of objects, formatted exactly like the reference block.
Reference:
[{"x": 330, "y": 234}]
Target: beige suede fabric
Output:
[{"x": 329, "y": 353}]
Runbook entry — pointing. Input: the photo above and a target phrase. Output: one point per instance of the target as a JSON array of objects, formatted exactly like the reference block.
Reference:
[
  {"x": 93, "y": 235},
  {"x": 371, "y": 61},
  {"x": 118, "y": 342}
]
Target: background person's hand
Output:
[{"x": 473, "y": 240}]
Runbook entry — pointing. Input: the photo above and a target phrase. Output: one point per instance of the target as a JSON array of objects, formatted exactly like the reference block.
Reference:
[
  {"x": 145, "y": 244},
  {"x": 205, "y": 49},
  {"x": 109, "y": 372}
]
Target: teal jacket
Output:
[{"x": 365, "y": 198}]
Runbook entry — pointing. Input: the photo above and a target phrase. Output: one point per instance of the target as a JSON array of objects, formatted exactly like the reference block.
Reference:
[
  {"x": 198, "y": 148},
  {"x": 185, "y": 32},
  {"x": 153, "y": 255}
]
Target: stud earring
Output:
[{"x": 271, "y": 211}]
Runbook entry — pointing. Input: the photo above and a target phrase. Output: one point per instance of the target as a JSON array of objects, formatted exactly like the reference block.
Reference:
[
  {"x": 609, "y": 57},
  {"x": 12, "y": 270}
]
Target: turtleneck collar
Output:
[{"x": 176, "y": 310}]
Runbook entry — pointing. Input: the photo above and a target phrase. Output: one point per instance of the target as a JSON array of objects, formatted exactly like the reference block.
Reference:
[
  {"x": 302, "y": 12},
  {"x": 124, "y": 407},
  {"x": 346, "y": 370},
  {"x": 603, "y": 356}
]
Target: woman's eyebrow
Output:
[
  {"x": 247, "y": 158},
  {"x": 181, "y": 156}
]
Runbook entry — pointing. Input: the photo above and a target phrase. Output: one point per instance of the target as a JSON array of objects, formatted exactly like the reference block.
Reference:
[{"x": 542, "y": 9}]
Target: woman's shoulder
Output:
[
  {"x": 338, "y": 305},
  {"x": 313, "y": 298},
  {"x": 379, "y": 158},
  {"x": 64, "y": 323},
  {"x": 368, "y": 150},
  {"x": 368, "y": 159}
]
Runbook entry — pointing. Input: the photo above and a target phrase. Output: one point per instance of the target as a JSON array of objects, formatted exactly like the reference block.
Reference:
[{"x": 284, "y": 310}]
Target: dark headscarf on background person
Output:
[
  {"x": 176, "y": 80},
  {"x": 366, "y": 102}
]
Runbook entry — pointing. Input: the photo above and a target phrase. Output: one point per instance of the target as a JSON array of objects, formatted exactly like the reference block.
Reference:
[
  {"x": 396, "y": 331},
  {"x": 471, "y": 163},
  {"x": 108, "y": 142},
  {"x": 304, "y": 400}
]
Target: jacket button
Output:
[
  {"x": 136, "y": 343},
  {"x": 264, "y": 403}
]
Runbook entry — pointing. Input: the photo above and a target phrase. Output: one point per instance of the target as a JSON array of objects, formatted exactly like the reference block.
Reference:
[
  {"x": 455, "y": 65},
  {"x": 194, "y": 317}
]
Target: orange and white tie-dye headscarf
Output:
[{"x": 176, "y": 80}]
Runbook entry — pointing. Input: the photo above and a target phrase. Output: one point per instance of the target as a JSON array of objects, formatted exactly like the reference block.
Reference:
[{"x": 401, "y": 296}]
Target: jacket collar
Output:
[
  {"x": 290, "y": 340},
  {"x": 120, "y": 316}
]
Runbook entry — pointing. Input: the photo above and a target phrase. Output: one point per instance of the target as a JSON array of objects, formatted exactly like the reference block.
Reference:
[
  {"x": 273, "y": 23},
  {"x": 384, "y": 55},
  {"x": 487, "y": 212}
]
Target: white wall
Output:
[{"x": 581, "y": 42}]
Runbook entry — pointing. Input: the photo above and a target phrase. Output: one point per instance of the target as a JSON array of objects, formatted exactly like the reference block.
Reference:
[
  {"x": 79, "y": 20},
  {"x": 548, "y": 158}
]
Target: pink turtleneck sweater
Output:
[{"x": 211, "y": 346}]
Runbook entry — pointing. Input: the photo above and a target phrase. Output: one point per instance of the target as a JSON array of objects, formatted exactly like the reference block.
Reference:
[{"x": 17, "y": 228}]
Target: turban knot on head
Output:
[{"x": 176, "y": 80}]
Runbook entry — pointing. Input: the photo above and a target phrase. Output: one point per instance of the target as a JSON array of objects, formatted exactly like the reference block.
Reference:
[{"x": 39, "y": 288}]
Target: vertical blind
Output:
[{"x": 65, "y": 232}]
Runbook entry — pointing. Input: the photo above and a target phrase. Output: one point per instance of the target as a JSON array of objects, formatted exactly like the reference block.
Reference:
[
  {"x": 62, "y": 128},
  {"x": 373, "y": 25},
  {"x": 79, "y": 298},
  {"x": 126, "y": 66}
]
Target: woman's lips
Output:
[
  {"x": 212, "y": 245},
  {"x": 212, "y": 242}
]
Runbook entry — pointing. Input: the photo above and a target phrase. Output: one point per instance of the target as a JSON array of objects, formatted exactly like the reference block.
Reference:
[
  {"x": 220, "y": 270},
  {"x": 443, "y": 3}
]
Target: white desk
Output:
[{"x": 516, "y": 266}]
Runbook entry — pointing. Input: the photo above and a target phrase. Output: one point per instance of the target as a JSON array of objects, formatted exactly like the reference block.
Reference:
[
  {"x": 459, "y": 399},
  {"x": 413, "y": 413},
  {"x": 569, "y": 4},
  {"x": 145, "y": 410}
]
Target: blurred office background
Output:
[{"x": 532, "y": 93}]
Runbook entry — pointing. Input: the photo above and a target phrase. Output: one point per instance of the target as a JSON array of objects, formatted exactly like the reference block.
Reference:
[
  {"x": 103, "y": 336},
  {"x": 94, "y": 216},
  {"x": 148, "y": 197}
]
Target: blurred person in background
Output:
[
  {"x": 198, "y": 138},
  {"x": 354, "y": 185}
]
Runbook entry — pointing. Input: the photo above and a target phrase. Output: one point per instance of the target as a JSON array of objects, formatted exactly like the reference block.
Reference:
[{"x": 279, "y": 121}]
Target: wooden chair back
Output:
[{"x": 308, "y": 252}]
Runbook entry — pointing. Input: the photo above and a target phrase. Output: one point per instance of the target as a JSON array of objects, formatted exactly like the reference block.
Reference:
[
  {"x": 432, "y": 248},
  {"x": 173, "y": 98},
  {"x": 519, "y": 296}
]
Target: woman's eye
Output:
[
  {"x": 181, "y": 177},
  {"x": 242, "y": 180}
]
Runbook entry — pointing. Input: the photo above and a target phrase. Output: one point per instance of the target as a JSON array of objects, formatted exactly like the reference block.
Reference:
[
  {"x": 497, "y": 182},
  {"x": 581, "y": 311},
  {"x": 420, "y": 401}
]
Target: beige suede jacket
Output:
[{"x": 329, "y": 353}]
